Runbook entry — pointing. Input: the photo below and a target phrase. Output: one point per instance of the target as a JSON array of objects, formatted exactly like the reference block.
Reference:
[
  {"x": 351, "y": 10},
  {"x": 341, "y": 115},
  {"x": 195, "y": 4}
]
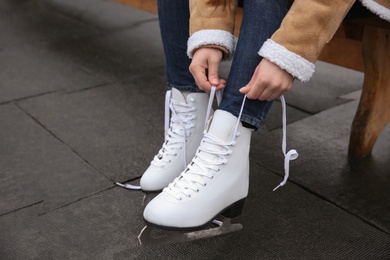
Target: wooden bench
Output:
[{"x": 362, "y": 45}]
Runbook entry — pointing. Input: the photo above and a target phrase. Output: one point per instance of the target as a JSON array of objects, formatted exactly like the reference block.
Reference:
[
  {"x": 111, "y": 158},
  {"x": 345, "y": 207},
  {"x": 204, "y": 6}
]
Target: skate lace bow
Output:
[
  {"x": 175, "y": 132},
  {"x": 291, "y": 154}
]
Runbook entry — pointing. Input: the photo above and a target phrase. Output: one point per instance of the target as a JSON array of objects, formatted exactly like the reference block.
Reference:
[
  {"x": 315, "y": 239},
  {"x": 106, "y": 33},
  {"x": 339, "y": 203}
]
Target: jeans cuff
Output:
[
  {"x": 257, "y": 123},
  {"x": 186, "y": 88}
]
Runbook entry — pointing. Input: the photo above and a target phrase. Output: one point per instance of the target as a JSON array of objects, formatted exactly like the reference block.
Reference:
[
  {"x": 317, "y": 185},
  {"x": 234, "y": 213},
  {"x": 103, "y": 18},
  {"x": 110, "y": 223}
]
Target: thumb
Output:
[
  {"x": 245, "y": 90},
  {"x": 213, "y": 74}
]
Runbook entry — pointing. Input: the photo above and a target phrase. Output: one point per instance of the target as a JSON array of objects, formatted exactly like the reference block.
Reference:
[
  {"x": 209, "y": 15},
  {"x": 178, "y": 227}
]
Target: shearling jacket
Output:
[{"x": 295, "y": 46}]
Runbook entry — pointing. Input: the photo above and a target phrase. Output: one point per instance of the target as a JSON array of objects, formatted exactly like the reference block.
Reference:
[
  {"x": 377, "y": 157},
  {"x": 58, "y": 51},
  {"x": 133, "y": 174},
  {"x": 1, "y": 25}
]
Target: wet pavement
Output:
[{"x": 82, "y": 84}]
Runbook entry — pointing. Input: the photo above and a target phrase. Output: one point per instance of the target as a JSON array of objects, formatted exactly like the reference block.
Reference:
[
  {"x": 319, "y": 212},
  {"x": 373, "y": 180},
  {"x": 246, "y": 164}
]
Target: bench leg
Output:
[{"x": 373, "y": 112}]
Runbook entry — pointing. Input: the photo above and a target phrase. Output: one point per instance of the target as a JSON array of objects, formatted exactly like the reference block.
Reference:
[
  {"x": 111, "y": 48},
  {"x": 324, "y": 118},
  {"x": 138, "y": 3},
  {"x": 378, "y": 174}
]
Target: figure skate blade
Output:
[{"x": 153, "y": 236}]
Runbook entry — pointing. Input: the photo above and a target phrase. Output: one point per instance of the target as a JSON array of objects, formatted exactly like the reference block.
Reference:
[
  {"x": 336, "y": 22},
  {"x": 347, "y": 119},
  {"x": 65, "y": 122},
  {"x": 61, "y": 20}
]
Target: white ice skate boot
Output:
[
  {"x": 215, "y": 182},
  {"x": 182, "y": 137}
]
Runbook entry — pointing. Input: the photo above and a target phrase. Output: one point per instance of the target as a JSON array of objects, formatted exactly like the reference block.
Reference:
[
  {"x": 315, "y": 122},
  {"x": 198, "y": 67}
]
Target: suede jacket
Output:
[{"x": 308, "y": 26}]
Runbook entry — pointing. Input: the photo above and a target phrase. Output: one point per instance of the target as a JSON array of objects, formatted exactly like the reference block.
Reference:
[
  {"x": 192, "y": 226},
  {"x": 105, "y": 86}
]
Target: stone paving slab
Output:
[
  {"x": 103, "y": 14},
  {"x": 274, "y": 116},
  {"x": 105, "y": 125},
  {"x": 38, "y": 168},
  {"x": 77, "y": 64},
  {"x": 24, "y": 235},
  {"x": 359, "y": 186},
  {"x": 115, "y": 55},
  {"x": 26, "y": 22},
  {"x": 324, "y": 89},
  {"x": 45, "y": 51},
  {"x": 32, "y": 70},
  {"x": 287, "y": 224}
]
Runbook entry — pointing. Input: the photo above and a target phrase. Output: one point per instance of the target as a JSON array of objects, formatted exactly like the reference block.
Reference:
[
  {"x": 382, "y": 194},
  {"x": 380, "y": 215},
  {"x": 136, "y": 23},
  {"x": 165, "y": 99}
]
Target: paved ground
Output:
[{"x": 82, "y": 84}]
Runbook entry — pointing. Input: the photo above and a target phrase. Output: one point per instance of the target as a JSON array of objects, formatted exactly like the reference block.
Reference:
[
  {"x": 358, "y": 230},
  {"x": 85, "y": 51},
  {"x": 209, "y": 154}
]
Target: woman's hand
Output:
[
  {"x": 204, "y": 68},
  {"x": 268, "y": 82}
]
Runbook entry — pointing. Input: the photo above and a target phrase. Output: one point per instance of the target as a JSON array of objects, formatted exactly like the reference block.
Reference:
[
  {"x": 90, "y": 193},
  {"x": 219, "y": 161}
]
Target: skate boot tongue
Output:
[
  {"x": 221, "y": 130},
  {"x": 222, "y": 125},
  {"x": 178, "y": 96},
  {"x": 178, "y": 105}
]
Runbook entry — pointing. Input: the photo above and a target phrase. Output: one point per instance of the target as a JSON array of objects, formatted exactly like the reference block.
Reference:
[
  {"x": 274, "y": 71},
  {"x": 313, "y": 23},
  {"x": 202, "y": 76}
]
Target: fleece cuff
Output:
[
  {"x": 294, "y": 64},
  {"x": 378, "y": 9},
  {"x": 211, "y": 37}
]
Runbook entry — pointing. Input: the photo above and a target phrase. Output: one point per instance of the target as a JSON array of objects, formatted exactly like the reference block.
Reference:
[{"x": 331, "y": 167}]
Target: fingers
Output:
[
  {"x": 245, "y": 90},
  {"x": 268, "y": 82},
  {"x": 199, "y": 74},
  {"x": 206, "y": 80},
  {"x": 213, "y": 73},
  {"x": 264, "y": 91},
  {"x": 204, "y": 68}
]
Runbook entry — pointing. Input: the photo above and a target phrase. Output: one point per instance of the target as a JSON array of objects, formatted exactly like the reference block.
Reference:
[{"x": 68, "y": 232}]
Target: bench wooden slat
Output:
[{"x": 146, "y": 5}]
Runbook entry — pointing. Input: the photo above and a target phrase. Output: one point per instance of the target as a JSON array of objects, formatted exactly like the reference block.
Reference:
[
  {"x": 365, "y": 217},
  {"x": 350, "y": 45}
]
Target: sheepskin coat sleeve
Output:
[
  {"x": 212, "y": 25},
  {"x": 306, "y": 29},
  {"x": 295, "y": 46}
]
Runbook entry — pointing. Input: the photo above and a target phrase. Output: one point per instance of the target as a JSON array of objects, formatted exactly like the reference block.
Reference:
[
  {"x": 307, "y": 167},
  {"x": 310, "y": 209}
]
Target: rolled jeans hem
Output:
[
  {"x": 257, "y": 123},
  {"x": 185, "y": 88}
]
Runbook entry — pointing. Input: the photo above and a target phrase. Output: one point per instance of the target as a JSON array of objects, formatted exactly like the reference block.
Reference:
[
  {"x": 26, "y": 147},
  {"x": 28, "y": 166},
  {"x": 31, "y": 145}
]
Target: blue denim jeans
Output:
[{"x": 261, "y": 18}]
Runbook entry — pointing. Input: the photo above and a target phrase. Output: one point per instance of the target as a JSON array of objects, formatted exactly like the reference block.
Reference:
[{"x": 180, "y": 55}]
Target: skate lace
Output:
[
  {"x": 211, "y": 155},
  {"x": 176, "y": 130},
  {"x": 291, "y": 154}
]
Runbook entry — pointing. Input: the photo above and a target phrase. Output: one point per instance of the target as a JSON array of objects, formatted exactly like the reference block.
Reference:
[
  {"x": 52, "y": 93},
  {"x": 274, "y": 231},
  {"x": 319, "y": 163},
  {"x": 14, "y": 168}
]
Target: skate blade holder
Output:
[{"x": 153, "y": 236}]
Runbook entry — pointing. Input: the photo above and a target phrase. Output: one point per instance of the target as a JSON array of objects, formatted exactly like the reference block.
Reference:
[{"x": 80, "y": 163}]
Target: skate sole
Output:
[{"x": 232, "y": 211}]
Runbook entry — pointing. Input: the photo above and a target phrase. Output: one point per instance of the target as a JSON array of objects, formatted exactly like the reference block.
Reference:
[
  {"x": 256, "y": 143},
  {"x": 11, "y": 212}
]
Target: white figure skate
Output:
[{"x": 183, "y": 132}]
